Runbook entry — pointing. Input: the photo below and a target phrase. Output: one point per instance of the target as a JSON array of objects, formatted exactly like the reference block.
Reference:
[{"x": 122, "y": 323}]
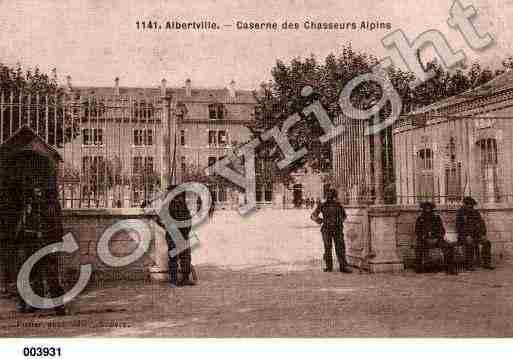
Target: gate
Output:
[{"x": 112, "y": 147}]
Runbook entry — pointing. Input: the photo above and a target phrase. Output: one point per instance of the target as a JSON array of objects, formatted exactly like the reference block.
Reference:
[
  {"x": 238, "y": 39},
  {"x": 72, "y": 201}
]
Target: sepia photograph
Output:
[{"x": 255, "y": 169}]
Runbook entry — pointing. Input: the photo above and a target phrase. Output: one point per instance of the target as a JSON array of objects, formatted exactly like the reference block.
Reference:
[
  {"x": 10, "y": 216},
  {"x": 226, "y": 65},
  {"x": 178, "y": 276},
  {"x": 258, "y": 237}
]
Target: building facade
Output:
[
  {"x": 120, "y": 144},
  {"x": 461, "y": 146},
  {"x": 457, "y": 147}
]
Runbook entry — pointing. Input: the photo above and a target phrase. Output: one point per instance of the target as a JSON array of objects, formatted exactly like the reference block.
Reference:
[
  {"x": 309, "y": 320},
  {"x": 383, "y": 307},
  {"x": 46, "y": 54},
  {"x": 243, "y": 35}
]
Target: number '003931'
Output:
[{"x": 41, "y": 352}]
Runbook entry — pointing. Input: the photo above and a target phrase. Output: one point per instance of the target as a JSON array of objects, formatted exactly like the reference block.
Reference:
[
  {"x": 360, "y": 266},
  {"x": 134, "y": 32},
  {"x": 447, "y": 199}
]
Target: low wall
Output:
[
  {"x": 499, "y": 225},
  {"x": 87, "y": 227},
  {"x": 365, "y": 225}
]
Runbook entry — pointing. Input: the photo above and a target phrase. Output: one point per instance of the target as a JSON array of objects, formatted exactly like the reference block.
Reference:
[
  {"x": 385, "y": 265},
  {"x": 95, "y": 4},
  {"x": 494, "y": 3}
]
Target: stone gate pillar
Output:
[{"x": 383, "y": 240}]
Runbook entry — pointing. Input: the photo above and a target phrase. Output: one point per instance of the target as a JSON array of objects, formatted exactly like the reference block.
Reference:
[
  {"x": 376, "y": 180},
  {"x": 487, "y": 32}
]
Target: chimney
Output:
[
  {"x": 163, "y": 84},
  {"x": 188, "y": 87},
  {"x": 232, "y": 89},
  {"x": 68, "y": 82},
  {"x": 116, "y": 86}
]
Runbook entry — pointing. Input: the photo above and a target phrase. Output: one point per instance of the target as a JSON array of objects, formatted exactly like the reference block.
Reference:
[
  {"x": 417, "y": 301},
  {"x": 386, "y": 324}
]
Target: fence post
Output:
[
  {"x": 378, "y": 165},
  {"x": 166, "y": 125},
  {"x": 171, "y": 154}
]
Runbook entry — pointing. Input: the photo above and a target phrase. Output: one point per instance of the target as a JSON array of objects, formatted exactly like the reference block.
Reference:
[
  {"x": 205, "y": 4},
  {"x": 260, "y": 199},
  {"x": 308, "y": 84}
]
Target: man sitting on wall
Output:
[
  {"x": 471, "y": 230},
  {"x": 430, "y": 233}
]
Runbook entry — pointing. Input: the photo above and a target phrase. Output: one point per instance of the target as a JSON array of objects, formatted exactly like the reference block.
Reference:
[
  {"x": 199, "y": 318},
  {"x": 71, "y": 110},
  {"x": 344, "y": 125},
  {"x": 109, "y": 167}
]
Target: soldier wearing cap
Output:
[
  {"x": 332, "y": 230},
  {"x": 471, "y": 230},
  {"x": 179, "y": 212},
  {"x": 430, "y": 232}
]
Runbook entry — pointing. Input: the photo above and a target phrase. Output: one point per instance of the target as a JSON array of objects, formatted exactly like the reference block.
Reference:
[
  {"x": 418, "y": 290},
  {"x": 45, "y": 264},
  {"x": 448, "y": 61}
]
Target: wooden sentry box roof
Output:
[{"x": 25, "y": 139}]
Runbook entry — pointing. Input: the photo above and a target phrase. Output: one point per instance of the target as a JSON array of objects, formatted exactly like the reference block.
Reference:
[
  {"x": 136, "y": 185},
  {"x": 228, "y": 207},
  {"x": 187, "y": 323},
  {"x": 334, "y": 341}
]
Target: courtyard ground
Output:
[{"x": 261, "y": 276}]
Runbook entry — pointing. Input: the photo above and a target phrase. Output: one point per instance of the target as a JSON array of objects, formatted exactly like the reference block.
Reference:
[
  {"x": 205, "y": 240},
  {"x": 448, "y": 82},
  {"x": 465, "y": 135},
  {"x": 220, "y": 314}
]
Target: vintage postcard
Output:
[{"x": 261, "y": 169}]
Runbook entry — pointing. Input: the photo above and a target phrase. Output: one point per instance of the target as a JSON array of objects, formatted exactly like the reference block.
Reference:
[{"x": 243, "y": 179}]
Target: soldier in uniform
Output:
[
  {"x": 430, "y": 232},
  {"x": 471, "y": 230},
  {"x": 332, "y": 230},
  {"x": 179, "y": 211},
  {"x": 39, "y": 223}
]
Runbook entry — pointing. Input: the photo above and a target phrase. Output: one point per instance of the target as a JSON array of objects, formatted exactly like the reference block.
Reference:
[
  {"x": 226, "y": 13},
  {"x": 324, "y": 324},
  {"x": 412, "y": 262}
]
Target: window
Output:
[
  {"x": 91, "y": 165},
  {"x": 143, "y": 137},
  {"x": 488, "y": 151},
  {"x": 222, "y": 138},
  {"x": 453, "y": 182},
  {"x": 425, "y": 180},
  {"x": 148, "y": 164},
  {"x": 92, "y": 136},
  {"x": 182, "y": 137},
  {"x": 138, "y": 138},
  {"x": 142, "y": 110},
  {"x": 218, "y": 192},
  {"x": 216, "y": 111},
  {"x": 218, "y": 138},
  {"x": 212, "y": 138},
  {"x": 93, "y": 108},
  {"x": 142, "y": 164},
  {"x": 148, "y": 138},
  {"x": 137, "y": 164},
  {"x": 489, "y": 165}
]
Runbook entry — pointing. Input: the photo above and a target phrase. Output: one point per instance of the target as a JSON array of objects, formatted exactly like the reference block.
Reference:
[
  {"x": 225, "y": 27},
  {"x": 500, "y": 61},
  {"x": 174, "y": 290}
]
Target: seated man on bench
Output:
[
  {"x": 471, "y": 230},
  {"x": 430, "y": 233}
]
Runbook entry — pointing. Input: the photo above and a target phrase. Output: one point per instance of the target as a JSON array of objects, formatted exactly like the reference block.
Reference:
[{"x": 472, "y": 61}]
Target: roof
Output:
[
  {"x": 25, "y": 139},
  {"x": 500, "y": 83},
  {"x": 221, "y": 95}
]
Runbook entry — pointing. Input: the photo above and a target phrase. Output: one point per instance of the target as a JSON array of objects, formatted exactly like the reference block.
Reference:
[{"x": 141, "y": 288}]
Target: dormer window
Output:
[
  {"x": 142, "y": 110},
  {"x": 216, "y": 111}
]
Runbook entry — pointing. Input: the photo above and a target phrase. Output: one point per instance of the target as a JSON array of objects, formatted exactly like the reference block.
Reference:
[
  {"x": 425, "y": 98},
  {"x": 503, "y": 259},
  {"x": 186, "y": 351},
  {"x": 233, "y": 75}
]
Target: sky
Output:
[{"x": 95, "y": 41}]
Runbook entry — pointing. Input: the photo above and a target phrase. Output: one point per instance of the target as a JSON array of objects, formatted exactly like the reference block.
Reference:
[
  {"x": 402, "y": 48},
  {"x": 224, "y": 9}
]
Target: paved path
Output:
[{"x": 261, "y": 277}]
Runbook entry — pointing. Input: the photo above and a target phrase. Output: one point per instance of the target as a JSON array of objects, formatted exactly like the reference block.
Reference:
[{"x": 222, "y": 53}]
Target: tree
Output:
[
  {"x": 33, "y": 98},
  {"x": 281, "y": 98}
]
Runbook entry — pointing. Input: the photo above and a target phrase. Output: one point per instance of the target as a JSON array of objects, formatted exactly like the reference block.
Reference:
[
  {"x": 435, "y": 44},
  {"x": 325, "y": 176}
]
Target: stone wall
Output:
[
  {"x": 376, "y": 234},
  {"x": 87, "y": 227},
  {"x": 499, "y": 224}
]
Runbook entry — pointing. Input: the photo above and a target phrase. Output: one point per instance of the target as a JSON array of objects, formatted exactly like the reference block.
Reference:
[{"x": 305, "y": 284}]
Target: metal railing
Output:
[
  {"x": 451, "y": 157},
  {"x": 112, "y": 147}
]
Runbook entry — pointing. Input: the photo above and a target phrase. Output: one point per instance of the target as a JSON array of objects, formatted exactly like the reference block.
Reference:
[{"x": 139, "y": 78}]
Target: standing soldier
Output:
[
  {"x": 39, "y": 223},
  {"x": 471, "y": 230},
  {"x": 332, "y": 230},
  {"x": 179, "y": 250}
]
